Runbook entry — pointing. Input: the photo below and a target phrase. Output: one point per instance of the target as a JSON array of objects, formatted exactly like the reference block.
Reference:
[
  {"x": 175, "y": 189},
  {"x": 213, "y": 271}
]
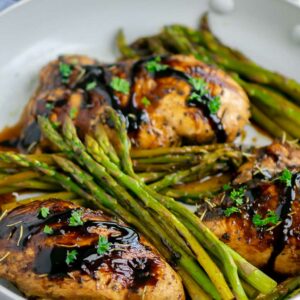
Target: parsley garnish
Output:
[
  {"x": 145, "y": 101},
  {"x": 214, "y": 105},
  {"x": 65, "y": 71},
  {"x": 199, "y": 85},
  {"x": 272, "y": 218},
  {"x": 90, "y": 86},
  {"x": 286, "y": 177},
  {"x": 44, "y": 212},
  {"x": 71, "y": 256},
  {"x": 230, "y": 210},
  {"x": 226, "y": 187},
  {"x": 48, "y": 230},
  {"x": 120, "y": 85},
  {"x": 73, "y": 112},
  {"x": 75, "y": 219},
  {"x": 237, "y": 195},
  {"x": 49, "y": 106},
  {"x": 103, "y": 245},
  {"x": 56, "y": 124},
  {"x": 154, "y": 65}
]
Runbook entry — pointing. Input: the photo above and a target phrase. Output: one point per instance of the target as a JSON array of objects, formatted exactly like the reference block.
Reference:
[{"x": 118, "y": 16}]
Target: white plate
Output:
[{"x": 34, "y": 32}]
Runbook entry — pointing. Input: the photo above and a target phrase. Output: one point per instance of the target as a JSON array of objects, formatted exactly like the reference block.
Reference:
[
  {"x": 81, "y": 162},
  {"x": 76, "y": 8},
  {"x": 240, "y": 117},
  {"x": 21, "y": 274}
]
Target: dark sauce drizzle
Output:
[
  {"x": 134, "y": 115},
  {"x": 133, "y": 271}
]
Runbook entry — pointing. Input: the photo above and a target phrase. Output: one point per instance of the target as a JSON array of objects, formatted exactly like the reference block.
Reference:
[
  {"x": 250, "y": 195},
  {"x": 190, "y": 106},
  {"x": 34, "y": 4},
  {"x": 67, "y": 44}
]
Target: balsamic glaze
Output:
[{"x": 130, "y": 262}]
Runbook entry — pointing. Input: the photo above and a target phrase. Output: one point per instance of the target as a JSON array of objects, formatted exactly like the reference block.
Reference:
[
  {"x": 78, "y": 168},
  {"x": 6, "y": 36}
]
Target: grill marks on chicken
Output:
[
  {"x": 126, "y": 267},
  {"x": 274, "y": 246},
  {"x": 165, "y": 118}
]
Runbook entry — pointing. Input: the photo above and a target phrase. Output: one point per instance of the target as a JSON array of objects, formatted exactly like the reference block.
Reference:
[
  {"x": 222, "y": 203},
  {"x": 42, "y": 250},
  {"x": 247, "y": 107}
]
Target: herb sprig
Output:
[
  {"x": 286, "y": 177},
  {"x": 271, "y": 218},
  {"x": 120, "y": 85},
  {"x": 103, "y": 245},
  {"x": 65, "y": 72},
  {"x": 154, "y": 65},
  {"x": 75, "y": 219},
  {"x": 71, "y": 256},
  {"x": 48, "y": 230},
  {"x": 44, "y": 212}
]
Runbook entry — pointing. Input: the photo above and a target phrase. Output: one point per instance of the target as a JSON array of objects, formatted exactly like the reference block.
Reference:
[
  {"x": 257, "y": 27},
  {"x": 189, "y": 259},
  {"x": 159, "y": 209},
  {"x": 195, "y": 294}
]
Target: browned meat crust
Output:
[
  {"x": 36, "y": 261},
  {"x": 275, "y": 247},
  {"x": 166, "y": 120}
]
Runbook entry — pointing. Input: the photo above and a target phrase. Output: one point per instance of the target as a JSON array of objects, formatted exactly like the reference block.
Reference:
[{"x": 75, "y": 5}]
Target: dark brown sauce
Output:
[{"x": 130, "y": 263}]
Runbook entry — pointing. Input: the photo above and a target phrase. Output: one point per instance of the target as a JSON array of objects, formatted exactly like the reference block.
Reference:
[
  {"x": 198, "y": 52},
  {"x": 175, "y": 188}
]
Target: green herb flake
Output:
[
  {"x": 73, "y": 112},
  {"x": 195, "y": 97},
  {"x": 56, "y": 124},
  {"x": 48, "y": 230},
  {"x": 237, "y": 195},
  {"x": 90, "y": 86},
  {"x": 231, "y": 210},
  {"x": 44, "y": 212},
  {"x": 103, "y": 245},
  {"x": 75, "y": 219},
  {"x": 271, "y": 218},
  {"x": 145, "y": 101},
  {"x": 71, "y": 256},
  {"x": 120, "y": 85},
  {"x": 154, "y": 65},
  {"x": 226, "y": 187},
  {"x": 65, "y": 71},
  {"x": 49, "y": 106},
  {"x": 214, "y": 105},
  {"x": 198, "y": 84},
  {"x": 286, "y": 177}
]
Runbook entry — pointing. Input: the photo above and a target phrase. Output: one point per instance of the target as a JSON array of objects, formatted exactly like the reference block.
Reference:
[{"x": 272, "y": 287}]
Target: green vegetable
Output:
[
  {"x": 65, "y": 71},
  {"x": 199, "y": 85},
  {"x": 49, "y": 105},
  {"x": 90, "y": 86},
  {"x": 73, "y": 112},
  {"x": 154, "y": 65},
  {"x": 103, "y": 245},
  {"x": 226, "y": 187},
  {"x": 214, "y": 104},
  {"x": 120, "y": 85},
  {"x": 48, "y": 230},
  {"x": 145, "y": 101},
  {"x": 75, "y": 219},
  {"x": 271, "y": 218},
  {"x": 286, "y": 177},
  {"x": 237, "y": 195},
  {"x": 44, "y": 212},
  {"x": 71, "y": 256},
  {"x": 231, "y": 210}
]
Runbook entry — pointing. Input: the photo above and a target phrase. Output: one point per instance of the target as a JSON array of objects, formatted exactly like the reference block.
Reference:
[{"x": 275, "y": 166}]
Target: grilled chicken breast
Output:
[
  {"x": 58, "y": 250},
  {"x": 156, "y": 95},
  {"x": 259, "y": 216}
]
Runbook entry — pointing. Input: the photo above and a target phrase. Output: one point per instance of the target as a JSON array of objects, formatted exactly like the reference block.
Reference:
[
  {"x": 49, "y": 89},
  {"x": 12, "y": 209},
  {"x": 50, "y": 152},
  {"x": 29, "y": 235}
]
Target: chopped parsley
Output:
[
  {"x": 73, "y": 112},
  {"x": 120, "y": 85},
  {"x": 271, "y": 218},
  {"x": 226, "y": 187},
  {"x": 48, "y": 230},
  {"x": 71, "y": 256},
  {"x": 44, "y": 212},
  {"x": 90, "y": 86},
  {"x": 154, "y": 65},
  {"x": 231, "y": 210},
  {"x": 286, "y": 177},
  {"x": 75, "y": 219},
  {"x": 214, "y": 105},
  {"x": 65, "y": 72},
  {"x": 145, "y": 101},
  {"x": 103, "y": 245},
  {"x": 56, "y": 124},
  {"x": 50, "y": 106},
  {"x": 237, "y": 195},
  {"x": 199, "y": 85}
]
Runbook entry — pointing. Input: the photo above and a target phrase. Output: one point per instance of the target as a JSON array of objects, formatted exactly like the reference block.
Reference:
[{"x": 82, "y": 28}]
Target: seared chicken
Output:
[
  {"x": 259, "y": 216},
  {"x": 58, "y": 250},
  {"x": 161, "y": 104}
]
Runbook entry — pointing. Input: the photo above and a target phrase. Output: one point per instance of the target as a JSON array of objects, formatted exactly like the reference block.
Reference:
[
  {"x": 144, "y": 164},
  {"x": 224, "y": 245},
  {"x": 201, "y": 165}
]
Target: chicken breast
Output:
[
  {"x": 57, "y": 250},
  {"x": 259, "y": 216},
  {"x": 159, "y": 97}
]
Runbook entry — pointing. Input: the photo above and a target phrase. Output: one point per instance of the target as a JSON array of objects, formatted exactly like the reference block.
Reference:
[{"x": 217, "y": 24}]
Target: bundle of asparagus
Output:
[
  {"x": 275, "y": 99},
  {"x": 104, "y": 176}
]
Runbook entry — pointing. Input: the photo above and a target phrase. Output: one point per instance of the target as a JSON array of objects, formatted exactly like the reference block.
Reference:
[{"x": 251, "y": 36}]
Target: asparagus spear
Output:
[
  {"x": 19, "y": 177},
  {"x": 78, "y": 148},
  {"x": 125, "y": 50}
]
